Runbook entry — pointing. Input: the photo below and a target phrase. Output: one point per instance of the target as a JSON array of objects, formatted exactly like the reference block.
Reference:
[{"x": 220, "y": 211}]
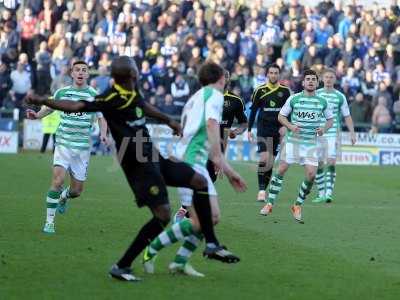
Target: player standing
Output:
[
  {"x": 200, "y": 142},
  {"x": 72, "y": 151},
  {"x": 305, "y": 110},
  {"x": 268, "y": 100},
  {"x": 233, "y": 108},
  {"x": 330, "y": 141}
]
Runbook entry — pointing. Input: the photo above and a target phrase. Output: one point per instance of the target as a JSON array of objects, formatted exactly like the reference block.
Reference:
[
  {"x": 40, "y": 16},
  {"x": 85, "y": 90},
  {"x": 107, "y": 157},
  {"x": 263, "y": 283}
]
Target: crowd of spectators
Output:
[{"x": 170, "y": 39}]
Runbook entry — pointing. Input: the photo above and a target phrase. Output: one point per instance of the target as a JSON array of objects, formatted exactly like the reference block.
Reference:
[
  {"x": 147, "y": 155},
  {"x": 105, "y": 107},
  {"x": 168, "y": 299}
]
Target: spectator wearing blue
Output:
[
  {"x": 5, "y": 82},
  {"x": 345, "y": 23},
  {"x": 350, "y": 83},
  {"x": 102, "y": 80},
  {"x": 270, "y": 32},
  {"x": 108, "y": 24},
  {"x": 180, "y": 92},
  {"x": 168, "y": 107},
  {"x": 323, "y": 32},
  {"x": 331, "y": 54},
  {"x": 294, "y": 52},
  {"x": 248, "y": 46}
]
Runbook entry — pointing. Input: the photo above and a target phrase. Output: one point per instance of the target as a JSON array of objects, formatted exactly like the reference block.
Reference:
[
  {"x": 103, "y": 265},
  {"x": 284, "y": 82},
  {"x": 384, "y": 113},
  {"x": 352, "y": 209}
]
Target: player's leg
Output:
[
  {"x": 78, "y": 171},
  {"x": 179, "y": 174},
  {"x": 320, "y": 181},
  {"x": 323, "y": 149},
  {"x": 148, "y": 185},
  {"x": 61, "y": 163},
  {"x": 304, "y": 190},
  {"x": 330, "y": 176},
  {"x": 264, "y": 166},
  {"x": 275, "y": 185},
  {"x": 186, "y": 195},
  {"x": 53, "y": 196}
]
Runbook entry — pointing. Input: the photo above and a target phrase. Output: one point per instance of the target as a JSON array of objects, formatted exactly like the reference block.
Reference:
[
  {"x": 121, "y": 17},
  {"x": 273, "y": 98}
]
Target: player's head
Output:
[
  {"x": 212, "y": 73},
  {"x": 329, "y": 77},
  {"x": 80, "y": 72},
  {"x": 273, "y": 72},
  {"x": 124, "y": 70},
  {"x": 310, "y": 80}
]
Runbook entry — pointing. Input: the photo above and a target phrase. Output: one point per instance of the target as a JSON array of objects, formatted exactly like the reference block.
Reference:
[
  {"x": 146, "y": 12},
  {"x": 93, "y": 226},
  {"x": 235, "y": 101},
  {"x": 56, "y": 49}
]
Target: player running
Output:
[
  {"x": 147, "y": 172},
  {"x": 233, "y": 108},
  {"x": 305, "y": 110},
  {"x": 268, "y": 99},
  {"x": 200, "y": 141},
  {"x": 72, "y": 151},
  {"x": 326, "y": 176}
]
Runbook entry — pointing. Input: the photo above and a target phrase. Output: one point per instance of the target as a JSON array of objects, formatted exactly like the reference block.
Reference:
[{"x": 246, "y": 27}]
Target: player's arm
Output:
[
  {"x": 329, "y": 121},
  {"x": 103, "y": 129},
  {"x": 348, "y": 120},
  {"x": 283, "y": 116},
  {"x": 63, "y": 105},
  {"x": 43, "y": 112},
  {"x": 152, "y": 112},
  {"x": 241, "y": 119},
  {"x": 253, "y": 112},
  {"x": 218, "y": 159}
]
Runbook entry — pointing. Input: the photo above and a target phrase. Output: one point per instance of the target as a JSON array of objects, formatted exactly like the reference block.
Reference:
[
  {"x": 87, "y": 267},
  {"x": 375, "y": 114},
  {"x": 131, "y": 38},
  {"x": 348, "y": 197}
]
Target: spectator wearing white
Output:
[
  {"x": 168, "y": 50},
  {"x": 380, "y": 74},
  {"x": 180, "y": 92},
  {"x": 126, "y": 15},
  {"x": 21, "y": 84}
]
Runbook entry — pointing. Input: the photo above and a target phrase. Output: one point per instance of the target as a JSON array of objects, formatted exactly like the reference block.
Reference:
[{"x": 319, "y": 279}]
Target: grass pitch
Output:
[{"x": 347, "y": 250}]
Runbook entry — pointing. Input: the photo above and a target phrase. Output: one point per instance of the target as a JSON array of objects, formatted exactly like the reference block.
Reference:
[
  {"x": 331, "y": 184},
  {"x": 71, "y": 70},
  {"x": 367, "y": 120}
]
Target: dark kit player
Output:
[{"x": 268, "y": 100}]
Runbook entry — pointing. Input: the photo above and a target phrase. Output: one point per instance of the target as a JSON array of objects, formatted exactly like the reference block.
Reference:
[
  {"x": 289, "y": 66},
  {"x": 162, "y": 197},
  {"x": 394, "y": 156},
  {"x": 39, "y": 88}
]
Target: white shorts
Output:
[
  {"x": 299, "y": 154},
  {"x": 186, "y": 194},
  {"x": 74, "y": 161},
  {"x": 327, "y": 148}
]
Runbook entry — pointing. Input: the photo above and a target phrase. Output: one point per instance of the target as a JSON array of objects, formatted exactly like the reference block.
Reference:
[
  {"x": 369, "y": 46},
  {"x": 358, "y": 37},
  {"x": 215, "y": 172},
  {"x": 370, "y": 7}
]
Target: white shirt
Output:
[{"x": 21, "y": 82}]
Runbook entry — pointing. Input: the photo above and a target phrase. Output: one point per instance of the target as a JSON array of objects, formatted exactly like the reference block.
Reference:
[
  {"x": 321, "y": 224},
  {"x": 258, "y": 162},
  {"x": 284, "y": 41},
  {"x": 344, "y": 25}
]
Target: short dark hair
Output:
[
  {"x": 210, "y": 73},
  {"x": 274, "y": 66},
  {"x": 124, "y": 69},
  {"x": 309, "y": 72},
  {"x": 80, "y": 62}
]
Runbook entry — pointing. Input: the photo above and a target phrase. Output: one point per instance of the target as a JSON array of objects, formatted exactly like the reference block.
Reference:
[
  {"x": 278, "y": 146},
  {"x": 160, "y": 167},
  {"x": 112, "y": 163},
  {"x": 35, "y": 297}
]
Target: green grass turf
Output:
[{"x": 348, "y": 250}]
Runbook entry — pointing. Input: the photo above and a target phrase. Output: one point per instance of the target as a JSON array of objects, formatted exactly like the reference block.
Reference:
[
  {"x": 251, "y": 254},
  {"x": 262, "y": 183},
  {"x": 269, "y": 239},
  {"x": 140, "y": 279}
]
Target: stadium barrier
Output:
[
  {"x": 371, "y": 149},
  {"x": 9, "y": 131}
]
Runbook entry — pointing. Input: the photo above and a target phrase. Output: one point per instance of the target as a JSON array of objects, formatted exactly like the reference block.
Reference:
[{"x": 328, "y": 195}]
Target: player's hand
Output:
[
  {"x": 320, "y": 131},
  {"x": 176, "y": 127},
  {"x": 250, "y": 136},
  {"x": 353, "y": 138},
  {"x": 232, "y": 134},
  {"x": 104, "y": 140},
  {"x": 237, "y": 182},
  {"x": 294, "y": 128},
  {"x": 31, "y": 114}
]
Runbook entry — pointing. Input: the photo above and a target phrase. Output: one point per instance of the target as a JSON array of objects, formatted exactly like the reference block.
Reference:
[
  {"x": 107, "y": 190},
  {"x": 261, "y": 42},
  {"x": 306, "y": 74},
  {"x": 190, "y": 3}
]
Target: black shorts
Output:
[
  {"x": 176, "y": 173},
  {"x": 146, "y": 182},
  {"x": 268, "y": 144}
]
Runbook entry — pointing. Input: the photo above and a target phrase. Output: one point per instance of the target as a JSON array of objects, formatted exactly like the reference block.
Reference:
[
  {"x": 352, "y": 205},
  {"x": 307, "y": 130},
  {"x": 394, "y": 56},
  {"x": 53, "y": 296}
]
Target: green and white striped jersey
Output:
[
  {"x": 205, "y": 104},
  {"x": 338, "y": 105},
  {"x": 307, "y": 112},
  {"x": 74, "y": 129}
]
